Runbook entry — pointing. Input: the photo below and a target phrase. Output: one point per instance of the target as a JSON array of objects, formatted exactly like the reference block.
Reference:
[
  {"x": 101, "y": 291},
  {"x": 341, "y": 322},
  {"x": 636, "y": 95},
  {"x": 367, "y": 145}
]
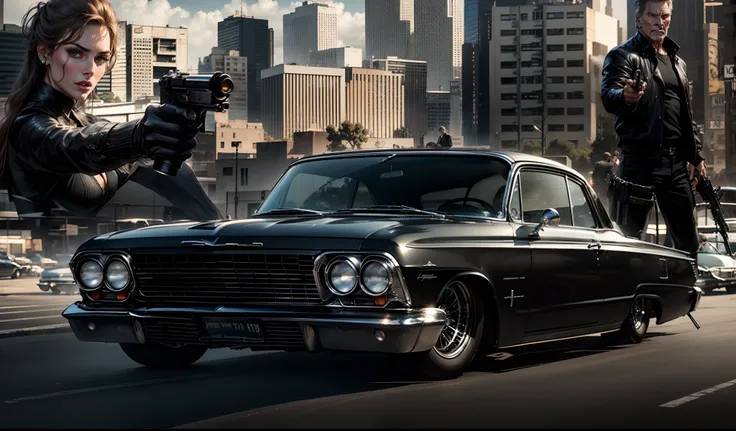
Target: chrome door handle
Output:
[{"x": 594, "y": 245}]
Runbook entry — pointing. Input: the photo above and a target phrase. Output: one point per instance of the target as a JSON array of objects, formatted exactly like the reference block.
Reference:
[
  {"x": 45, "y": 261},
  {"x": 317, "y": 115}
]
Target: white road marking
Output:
[
  {"x": 3, "y": 313},
  {"x": 104, "y": 388},
  {"x": 23, "y": 306},
  {"x": 696, "y": 395},
  {"x": 35, "y": 328},
  {"x": 48, "y": 316}
]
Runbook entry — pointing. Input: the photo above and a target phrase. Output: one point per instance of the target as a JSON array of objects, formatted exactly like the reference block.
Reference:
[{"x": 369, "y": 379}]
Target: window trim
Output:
[{"x": 533, "y": 167}]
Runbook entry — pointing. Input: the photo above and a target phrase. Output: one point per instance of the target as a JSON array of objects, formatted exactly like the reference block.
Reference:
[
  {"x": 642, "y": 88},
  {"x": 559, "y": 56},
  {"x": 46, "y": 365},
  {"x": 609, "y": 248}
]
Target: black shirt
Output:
[{"x": 672, "y": 100}]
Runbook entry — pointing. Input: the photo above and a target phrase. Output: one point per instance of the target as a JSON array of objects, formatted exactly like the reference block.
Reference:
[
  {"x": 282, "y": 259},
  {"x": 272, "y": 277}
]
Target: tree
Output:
[
  {"x": 533, "y": 147},
  {"x": 605, "y": 141},
  {"x": 580, "y": 157},
  {"x": 354, "y": 134},
  {"x": 401, "y": 132},
  {"x": 109, "y": 97}
]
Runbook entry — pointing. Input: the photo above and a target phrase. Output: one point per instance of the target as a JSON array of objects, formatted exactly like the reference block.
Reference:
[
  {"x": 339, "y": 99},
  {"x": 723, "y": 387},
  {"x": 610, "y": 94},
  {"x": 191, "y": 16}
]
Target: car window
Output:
[
  {"x": 515, "y": 205},
  {"x": 582, "y": 214},
  {"x": 542, "y": 190},
  {"x": 324, "y": 193},
  {"x": 708, "y": 248}
]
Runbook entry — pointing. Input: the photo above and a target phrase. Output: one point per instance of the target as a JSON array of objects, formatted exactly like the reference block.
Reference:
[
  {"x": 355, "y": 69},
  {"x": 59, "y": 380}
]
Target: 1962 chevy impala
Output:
[{"x": 438, "y": 254}]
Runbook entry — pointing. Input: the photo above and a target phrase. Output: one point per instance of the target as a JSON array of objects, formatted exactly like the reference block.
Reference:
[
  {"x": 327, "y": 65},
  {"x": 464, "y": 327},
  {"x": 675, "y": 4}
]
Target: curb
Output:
[{"x": 50, "y": 329}]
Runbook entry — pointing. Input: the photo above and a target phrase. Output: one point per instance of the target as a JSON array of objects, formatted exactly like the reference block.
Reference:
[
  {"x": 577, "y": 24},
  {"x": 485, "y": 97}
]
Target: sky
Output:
[{"x": 201, "y": 18}]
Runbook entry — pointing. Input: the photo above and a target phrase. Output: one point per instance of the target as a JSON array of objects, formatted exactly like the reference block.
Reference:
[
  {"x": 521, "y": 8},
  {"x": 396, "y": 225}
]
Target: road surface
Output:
[{"x": 678, "y": 377}]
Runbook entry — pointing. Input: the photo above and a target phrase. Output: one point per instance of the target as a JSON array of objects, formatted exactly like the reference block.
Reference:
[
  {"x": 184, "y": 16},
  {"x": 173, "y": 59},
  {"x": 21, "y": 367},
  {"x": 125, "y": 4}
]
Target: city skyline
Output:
[{"x": 201, "y": 18}]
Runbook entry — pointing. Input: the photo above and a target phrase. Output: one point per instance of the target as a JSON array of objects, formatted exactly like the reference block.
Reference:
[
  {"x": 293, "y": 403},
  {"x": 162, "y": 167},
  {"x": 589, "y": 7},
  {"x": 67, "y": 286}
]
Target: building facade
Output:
[
  {"x": 375, "y": 99},
  {"x": 151, "y": 52},
  {"x": 253, "y": 39},
  {"x": 414, "y": 74},
  {"x": 439, "y": 29},
  {"x": 301, "y": 98},
  {"x": 389, "y": 28},
  {"x": 13, "y": 47},
  {"x": 311, "y": 27},
  {"x": 545, "y": 73},
  {"x": 344, "y": 56},
  {"x": 233, "y": 64}
]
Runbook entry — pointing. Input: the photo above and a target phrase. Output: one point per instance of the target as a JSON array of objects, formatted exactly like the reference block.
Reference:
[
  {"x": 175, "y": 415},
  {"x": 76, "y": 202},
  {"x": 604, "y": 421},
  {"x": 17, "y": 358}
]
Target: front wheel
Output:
[
  {"x": 634, "y": 327},
  {"x": 161, "y": 356},
  {"x": 460, "y": 338}
]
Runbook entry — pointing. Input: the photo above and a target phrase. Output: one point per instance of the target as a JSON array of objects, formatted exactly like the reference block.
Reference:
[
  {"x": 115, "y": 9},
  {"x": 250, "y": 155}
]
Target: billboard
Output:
[
  {"x": 728, "y": 71},
  {"x": 715, "y": 84}
]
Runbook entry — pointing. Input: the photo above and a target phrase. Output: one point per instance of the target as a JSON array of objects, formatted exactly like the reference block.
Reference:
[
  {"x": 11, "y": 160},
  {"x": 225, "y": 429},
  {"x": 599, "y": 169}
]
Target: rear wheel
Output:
[
  {"x": 161, "y": 356},
  {"x": 634, "y": 327},
  {"x": 460, "y": 338}
]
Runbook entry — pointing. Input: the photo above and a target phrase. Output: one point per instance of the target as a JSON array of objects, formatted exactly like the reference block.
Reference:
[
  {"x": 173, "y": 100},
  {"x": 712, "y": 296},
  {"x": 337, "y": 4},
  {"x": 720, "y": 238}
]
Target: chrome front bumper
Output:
[{"x": 386, "y": 330}]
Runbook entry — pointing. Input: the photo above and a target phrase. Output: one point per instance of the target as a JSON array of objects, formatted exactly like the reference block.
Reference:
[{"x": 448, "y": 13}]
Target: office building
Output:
[
  {"x": 253, "y": 39},
  {"x": 375, "y": 99},
  {"x": 414, "y": 74},
  {"x": 344, "y": 56},
  {"x": 301, "y": 98},
  {"x": 152, "y": 52},
  {"x": 389, "y": 28},
  {"x": 13, "y": 47},
  {"x": 311, "y": 27},
  {"x": 233, "y": 64},
  {"x": 438, "y": 29}
]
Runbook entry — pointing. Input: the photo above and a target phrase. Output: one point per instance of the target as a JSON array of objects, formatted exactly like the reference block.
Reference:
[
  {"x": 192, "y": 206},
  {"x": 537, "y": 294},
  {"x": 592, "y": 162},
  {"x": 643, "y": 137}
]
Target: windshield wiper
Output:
[
  {"x": 391, "y": 208},
  {"x": 287, "y": 211}
]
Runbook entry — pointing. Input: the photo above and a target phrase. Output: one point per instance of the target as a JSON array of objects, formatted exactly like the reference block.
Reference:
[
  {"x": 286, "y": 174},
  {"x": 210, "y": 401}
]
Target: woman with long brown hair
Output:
[{"x": 58, "y": 160}]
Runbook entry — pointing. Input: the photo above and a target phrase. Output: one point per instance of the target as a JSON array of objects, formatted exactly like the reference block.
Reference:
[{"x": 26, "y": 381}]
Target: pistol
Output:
[
  {"x": 637, "y": 80},
  {"x": 199, "y": 93}
]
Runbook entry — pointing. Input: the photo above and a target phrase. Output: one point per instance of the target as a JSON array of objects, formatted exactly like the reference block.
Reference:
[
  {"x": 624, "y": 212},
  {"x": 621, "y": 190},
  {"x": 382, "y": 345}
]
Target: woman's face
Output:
[{"x": 76, "y": 68}]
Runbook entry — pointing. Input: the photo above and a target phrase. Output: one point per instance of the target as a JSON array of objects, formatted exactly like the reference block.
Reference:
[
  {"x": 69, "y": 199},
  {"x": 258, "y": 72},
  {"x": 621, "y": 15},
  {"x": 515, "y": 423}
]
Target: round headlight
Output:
[
  {"x": 117, "y": 275},
  {"x": 375, "y": 278},
  {"x": 90, "y": 274},
  {"x": 343, "y": 277}
]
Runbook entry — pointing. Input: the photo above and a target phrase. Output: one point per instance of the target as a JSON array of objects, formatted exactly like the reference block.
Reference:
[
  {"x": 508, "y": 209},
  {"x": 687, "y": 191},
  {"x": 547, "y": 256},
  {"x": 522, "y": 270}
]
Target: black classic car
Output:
[{"x": 440, "y": 255}]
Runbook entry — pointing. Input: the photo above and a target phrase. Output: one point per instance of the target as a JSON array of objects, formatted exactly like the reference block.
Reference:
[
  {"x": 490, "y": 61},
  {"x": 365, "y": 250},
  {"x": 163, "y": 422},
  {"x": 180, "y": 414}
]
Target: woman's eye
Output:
[
  {"x": 74, "y": 53},
  {"x": 101, "y": 60}
]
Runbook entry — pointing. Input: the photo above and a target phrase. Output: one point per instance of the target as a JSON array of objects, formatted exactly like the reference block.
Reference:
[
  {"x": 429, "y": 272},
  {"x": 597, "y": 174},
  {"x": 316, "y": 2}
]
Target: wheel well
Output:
[
  {"x": 490, "y": 309},
  {"x": 653, "y": 306}
]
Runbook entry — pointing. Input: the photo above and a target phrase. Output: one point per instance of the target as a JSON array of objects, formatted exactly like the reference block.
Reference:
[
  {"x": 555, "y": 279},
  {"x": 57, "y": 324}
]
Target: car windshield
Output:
[
  {"x": 708, "y": 248},
  {"x": 461, "y": 185}
]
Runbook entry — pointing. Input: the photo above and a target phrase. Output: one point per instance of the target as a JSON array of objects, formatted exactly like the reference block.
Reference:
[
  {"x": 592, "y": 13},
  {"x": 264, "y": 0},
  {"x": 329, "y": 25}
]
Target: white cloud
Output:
[{"x": 203, "y": 25}]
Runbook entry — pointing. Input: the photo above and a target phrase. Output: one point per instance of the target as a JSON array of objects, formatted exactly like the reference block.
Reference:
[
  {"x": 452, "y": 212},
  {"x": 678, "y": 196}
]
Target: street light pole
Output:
[{"x": 236, "y": 144}]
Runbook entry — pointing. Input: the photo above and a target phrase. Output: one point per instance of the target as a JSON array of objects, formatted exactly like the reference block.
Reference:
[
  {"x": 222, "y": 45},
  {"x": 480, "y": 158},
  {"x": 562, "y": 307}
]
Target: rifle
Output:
[{"x": 710, "y": 196}]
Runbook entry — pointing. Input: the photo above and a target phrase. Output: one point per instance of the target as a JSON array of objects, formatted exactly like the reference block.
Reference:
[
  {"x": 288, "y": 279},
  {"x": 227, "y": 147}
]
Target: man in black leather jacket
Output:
[
  {"x": 657, "y": 135},
  {"x": 56, "y": 150}
]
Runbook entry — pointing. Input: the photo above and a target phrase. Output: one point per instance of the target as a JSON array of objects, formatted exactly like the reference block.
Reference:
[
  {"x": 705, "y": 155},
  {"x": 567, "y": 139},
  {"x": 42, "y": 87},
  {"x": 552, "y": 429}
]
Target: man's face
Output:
[{"x": 655, "y": 21}]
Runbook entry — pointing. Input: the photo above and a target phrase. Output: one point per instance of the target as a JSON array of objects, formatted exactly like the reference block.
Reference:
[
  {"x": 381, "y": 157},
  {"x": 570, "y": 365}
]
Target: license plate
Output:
[{"x": 241, "y": 329}]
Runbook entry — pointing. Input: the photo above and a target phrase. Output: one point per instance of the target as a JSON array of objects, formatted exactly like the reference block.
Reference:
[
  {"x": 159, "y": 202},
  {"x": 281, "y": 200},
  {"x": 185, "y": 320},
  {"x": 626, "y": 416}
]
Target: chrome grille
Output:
[
  {"x": 232, "y": 278},
  {"x": 285, "y": 335}
]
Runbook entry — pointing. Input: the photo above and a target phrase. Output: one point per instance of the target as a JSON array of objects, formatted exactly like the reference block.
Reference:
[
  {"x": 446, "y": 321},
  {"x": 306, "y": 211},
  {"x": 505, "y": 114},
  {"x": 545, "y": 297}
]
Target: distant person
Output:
[
  {"x": 602, "y": 173},
  {"x": 615, "y": 159},
  {"x": 445, "y": 140}
]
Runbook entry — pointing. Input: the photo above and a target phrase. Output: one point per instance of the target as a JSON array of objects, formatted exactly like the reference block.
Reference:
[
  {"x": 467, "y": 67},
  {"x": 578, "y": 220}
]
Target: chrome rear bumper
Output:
[{"x": 386, "y": 330}]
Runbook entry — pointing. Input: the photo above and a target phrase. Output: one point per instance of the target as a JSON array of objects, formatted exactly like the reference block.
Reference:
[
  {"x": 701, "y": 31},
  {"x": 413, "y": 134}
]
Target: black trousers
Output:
[{"x": 669, "y": 176}]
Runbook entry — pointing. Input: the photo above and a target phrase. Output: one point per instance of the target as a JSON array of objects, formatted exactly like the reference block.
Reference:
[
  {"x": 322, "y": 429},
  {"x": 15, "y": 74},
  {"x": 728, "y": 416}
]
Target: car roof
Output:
[{"x": 510, "y": 156}]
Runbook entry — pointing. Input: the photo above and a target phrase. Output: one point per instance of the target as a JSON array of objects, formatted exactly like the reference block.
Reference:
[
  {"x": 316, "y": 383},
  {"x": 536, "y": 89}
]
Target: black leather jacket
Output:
[
  {"x": 55, "y": 150},
  {"x": 640, "y": 127}
]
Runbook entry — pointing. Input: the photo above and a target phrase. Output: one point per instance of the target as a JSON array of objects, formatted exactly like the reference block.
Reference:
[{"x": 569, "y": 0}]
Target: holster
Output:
[{"x": 625, "y": 193}]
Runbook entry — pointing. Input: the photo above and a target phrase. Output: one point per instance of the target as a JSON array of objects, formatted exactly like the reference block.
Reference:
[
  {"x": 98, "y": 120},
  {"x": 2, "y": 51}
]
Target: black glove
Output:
[{"x": 167, "y": 132}]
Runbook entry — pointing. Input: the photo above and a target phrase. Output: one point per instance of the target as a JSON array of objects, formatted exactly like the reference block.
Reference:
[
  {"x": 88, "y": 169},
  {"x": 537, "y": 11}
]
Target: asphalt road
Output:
[
  {"x": 24, "y": 308},
  {"x": 678, "y": 377}
]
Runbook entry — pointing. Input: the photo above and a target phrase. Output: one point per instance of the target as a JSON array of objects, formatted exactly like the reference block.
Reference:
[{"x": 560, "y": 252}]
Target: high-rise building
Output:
[
  {"x": 439, "y": 110},
  {"x": 253, "y": 39},
  {"x": 115, "y": 81},
  {"x": 13, "y": 47},
  {"x": 546, "y": 65},
  {"x": 375, "y": 99},
  {"x": 438, "y": 40},
  {"x": 235, "y": 65},
  {"x": 389, "y": 28},
  {"x": 345, "y": 56},
  {"x": 414, "y": 73},
  {"x": 470, "y": 93},
  {"x": 311, "y": 27},
  {"x": 301, "y": 98},
  {"x": 151, "y": 53}
]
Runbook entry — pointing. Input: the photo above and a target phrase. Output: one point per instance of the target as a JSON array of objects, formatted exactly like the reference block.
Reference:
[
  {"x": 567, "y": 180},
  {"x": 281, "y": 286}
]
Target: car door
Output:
[{"x": 565, "y": 274}]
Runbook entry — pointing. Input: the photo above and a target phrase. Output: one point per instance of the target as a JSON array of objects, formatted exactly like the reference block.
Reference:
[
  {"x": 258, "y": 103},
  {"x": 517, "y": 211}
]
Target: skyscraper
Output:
[
  {"x": 389, "y": 28},
  {"x": 151, "y": 52},
  {"x": 254, "y": 40},
  {"x": 439, "y": 29},
  {"x": 414, "y": 74},
  {"x": 311, "y": 27},
  {"x": 13, "y": 47}
]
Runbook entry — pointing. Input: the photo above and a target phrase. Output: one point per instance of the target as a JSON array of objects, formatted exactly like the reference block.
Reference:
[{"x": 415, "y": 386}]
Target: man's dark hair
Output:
[{"x": 641, "y": 5}]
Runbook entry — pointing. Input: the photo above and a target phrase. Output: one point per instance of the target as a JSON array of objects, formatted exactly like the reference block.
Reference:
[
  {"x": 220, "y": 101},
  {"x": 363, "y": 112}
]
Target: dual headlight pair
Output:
[
  {"x": 373, "y": 275},
  {"x": 115, "y": 272}
]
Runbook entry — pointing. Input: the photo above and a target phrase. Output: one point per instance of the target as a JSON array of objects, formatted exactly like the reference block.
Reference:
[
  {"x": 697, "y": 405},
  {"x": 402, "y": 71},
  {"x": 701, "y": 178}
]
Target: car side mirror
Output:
[{"x": 550, "y": 217}]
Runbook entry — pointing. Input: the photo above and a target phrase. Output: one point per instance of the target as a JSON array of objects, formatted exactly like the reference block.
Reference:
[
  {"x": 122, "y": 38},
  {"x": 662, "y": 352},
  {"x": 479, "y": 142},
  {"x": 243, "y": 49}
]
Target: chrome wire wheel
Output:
[
  {"x": 638, "y": 315},
  {"x": 455, "y": 300}
]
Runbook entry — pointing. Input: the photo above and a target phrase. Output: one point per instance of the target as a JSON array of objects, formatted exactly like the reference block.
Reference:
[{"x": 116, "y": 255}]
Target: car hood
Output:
[
  {"x": 709, "y": 260},
  {"x": 56, "y": 273},
  {"x": 293, "y": 232}
]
